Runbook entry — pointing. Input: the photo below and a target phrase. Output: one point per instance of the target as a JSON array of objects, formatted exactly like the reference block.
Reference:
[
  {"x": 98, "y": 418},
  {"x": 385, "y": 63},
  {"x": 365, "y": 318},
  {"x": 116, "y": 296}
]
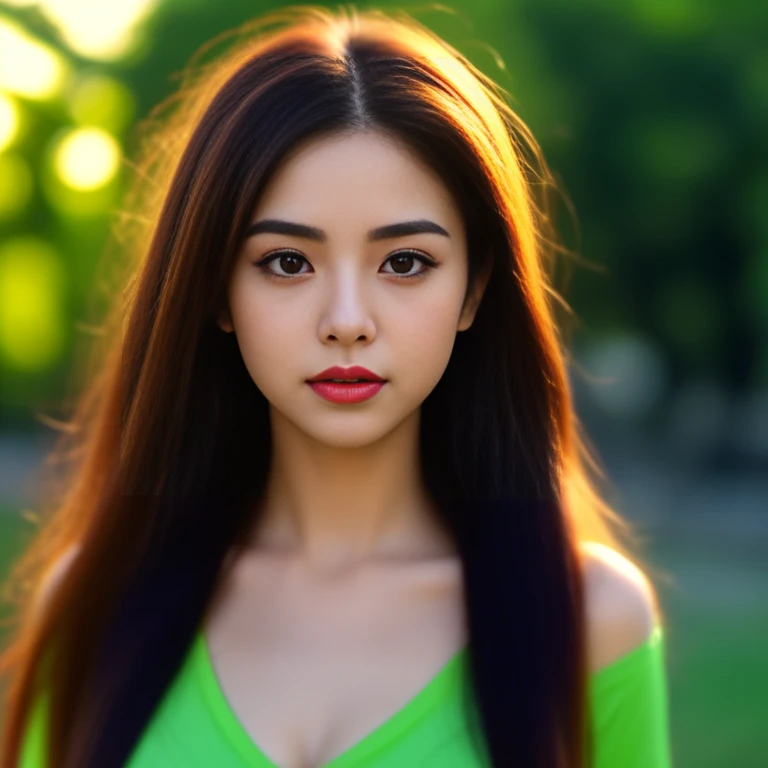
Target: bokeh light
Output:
[
  {"x": 629, "y": 374},
  {"x": 32, "y": 283},
  {"x": 98, "y": 29},
  {"x": 28, "y": 67},
  {"x": 102, "y": 101},
  {"x": 87, "y": 158}
]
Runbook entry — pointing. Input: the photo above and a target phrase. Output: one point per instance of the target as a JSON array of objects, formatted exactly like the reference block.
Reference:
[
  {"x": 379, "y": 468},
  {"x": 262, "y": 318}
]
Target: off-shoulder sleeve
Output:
[{"x": 629, "y": 709}]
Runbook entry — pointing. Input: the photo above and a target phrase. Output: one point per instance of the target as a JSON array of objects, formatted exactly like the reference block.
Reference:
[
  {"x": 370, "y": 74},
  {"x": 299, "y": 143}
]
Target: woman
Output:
[{"x": 258, "y": 564}]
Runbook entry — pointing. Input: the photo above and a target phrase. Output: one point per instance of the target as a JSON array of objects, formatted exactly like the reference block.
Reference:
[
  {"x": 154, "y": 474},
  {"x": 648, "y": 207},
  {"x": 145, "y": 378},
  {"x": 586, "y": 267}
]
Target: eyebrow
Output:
[{"x": 401, "y": 229}]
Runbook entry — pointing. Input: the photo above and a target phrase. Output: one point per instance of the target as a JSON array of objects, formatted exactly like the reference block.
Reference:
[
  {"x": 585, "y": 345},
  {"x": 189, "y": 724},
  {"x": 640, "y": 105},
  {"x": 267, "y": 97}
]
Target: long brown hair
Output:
[{"x": 168, "y": 449}]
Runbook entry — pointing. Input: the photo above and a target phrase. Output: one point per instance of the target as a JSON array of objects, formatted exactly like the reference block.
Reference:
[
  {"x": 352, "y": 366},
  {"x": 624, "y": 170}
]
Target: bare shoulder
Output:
[{"x": 621, "y": 604}]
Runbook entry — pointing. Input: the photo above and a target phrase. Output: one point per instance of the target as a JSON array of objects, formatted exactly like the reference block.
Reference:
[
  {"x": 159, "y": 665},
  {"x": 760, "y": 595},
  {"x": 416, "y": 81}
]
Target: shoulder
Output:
[{"x": 621, "y": 605}]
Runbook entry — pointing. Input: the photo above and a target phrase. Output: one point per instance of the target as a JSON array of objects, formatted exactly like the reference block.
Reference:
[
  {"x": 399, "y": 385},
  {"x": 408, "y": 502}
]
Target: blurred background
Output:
[{"x": 653, "y": 115}]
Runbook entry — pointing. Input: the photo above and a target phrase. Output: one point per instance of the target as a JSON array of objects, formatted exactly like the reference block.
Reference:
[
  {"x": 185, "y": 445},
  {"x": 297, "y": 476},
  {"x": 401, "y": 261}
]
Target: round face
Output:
[{"x": 356, "y": 257}]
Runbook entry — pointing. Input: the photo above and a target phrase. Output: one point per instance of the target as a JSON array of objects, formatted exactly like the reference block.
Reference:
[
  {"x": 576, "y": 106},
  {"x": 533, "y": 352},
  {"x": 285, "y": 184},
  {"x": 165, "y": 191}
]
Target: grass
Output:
[{"x": 717, "y": 649}]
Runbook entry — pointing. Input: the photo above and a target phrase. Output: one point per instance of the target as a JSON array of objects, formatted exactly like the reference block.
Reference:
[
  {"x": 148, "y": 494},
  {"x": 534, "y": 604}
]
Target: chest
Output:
[{"x": 310, "y": 669}]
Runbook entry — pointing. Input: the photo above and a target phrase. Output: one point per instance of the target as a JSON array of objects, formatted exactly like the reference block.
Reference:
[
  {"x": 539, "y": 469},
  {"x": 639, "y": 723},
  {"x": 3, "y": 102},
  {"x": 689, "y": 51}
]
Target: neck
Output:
[{"x": 338, "y": 507}]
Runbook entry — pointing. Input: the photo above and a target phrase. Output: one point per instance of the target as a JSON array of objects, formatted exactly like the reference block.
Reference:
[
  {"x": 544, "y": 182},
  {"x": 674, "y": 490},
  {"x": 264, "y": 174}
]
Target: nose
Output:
[{"x": 346, "y": 315}]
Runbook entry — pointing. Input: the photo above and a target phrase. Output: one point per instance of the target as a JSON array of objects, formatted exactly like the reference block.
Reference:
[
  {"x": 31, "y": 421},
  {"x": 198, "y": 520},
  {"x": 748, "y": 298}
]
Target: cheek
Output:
[
  {"x": 264, "y": 332},
  {"x": 425, "y": 335}
]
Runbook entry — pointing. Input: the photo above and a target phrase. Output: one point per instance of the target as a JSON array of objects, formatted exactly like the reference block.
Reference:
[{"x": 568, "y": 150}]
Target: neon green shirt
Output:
[{"x": 194, "y": 726}]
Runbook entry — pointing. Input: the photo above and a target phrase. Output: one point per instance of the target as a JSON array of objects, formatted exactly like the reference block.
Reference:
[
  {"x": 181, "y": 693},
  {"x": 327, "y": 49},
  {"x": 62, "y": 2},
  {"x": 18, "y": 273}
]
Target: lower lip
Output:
[{"x": 346, "y": 393}]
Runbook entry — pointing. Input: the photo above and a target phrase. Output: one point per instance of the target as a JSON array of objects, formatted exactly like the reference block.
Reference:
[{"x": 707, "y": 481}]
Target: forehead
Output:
[{"x": 365, "y": 175}]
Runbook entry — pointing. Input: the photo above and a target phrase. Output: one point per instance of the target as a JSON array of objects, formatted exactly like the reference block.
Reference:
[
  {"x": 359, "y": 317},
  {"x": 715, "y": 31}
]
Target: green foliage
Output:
[{"x": 649, "y": 113}]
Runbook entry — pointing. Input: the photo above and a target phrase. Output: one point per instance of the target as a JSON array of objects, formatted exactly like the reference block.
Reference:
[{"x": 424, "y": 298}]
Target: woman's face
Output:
[{"x": 342, "y": 297}]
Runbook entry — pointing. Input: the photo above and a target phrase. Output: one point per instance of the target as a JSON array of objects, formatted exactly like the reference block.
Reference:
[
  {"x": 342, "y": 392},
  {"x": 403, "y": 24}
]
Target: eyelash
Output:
[{"x": 425, "y": 260}]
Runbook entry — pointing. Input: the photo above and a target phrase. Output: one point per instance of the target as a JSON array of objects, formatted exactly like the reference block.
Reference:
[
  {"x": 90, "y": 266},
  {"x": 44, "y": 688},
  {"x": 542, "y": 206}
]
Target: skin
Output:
[
  {"x": 345, "y": 485},
  {"x": 351, "y": 585},
  {"x": 368, "y": 585}
]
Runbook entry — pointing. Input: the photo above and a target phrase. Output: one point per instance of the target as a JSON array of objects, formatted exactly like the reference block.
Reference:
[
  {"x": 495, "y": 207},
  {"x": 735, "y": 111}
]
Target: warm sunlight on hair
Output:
[{"x": 327, "y": 428}]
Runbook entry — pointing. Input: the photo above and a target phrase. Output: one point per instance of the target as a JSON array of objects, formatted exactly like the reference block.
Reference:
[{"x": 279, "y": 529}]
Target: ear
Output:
[
  {"x": 224, "y": 321},
  {"x": 473, "y": 298}
]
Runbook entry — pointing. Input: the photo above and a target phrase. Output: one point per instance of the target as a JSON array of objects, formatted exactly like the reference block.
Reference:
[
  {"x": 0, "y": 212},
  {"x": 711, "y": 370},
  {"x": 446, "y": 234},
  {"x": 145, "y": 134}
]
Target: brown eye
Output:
[
  {"x": 404, "y": 260},
  {"x": 290, "y": 264},
  {"x": 289, "y": 261}
]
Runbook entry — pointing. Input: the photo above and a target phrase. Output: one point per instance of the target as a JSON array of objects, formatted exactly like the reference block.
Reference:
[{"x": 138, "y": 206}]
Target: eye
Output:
[
  {"x": 404, "y": 257},
  {"x": 289, "y": 260}
]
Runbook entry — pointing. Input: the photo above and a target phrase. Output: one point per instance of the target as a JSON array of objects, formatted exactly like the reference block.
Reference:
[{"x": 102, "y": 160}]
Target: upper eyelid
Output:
[
  {"x": 289, "y": 249},
  {"x": 407, "y": 250}
]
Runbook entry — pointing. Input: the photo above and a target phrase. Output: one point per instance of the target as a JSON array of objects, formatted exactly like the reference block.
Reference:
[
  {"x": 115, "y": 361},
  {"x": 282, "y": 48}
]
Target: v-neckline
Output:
[{"x": 371, "y": 742}]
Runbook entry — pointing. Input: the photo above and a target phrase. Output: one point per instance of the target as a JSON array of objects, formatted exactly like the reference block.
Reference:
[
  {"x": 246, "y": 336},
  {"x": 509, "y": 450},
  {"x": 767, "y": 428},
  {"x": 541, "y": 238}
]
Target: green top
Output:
[{"x": 194, "y": 726}]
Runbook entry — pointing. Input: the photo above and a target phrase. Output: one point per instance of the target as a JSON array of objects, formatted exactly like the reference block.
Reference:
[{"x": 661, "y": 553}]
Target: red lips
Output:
[{"x": 355, "y": 372}]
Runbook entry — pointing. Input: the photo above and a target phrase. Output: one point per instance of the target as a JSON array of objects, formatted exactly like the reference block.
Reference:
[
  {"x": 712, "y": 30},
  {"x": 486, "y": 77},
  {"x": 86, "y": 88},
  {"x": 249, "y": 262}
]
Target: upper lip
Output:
[{"x": 355, "y": 372}]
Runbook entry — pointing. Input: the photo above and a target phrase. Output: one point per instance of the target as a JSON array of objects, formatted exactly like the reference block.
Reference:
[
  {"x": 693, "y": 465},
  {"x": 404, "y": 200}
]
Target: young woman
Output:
[{"x": 330, "y": 507}]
